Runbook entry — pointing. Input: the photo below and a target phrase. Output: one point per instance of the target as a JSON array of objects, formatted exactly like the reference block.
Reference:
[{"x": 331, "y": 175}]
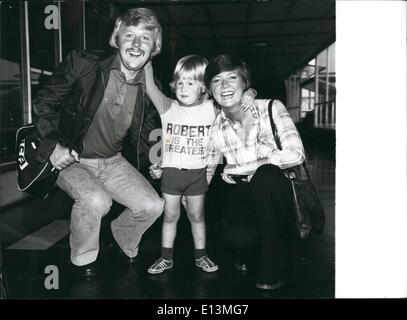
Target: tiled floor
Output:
[{"x": 310, "y": 272}]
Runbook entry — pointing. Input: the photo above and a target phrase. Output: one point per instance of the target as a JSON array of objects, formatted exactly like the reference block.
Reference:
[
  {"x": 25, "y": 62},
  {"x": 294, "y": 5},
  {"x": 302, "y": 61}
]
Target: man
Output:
[{"x": 84, "y": 114}]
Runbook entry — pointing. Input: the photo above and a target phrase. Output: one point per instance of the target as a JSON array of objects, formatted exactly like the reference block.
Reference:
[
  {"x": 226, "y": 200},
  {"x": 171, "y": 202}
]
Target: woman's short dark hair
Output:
[{"x": 226, "y": 62}]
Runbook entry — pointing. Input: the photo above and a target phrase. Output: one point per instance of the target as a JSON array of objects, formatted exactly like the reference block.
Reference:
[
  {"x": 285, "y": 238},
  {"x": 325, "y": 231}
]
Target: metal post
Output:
[
  {"x": 83, "y": 44},
  {"x": 316, "y": 106},
  {"x": 25, "y": 63},
  {"x": 327, "y": 87},
  {"x": 59, "y": 53},
  {"x": 327, "y": 75}
]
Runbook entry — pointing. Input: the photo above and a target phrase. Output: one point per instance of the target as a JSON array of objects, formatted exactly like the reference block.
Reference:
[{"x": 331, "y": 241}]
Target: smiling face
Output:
[
  {"x": 227, "y": 88},
  {"x": 188, "y": 91},
  {"x": 136, "y": 44}
]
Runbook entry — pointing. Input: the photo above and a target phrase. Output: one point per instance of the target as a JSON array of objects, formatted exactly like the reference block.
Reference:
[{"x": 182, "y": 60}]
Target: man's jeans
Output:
[{"x": 93, "y": 183}]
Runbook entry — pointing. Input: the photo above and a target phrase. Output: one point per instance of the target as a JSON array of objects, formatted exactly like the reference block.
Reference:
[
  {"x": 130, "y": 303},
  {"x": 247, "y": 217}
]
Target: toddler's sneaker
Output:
[
  {"x": 206, "y": 264},
  {"x": 160, "y": 265}
]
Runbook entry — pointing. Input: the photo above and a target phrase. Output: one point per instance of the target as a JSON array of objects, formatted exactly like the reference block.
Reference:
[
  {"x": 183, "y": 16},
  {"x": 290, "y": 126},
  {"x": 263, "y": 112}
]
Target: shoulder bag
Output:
[
  {"x": 33, "y": 176},
  {"x": 309, "y": 214}
]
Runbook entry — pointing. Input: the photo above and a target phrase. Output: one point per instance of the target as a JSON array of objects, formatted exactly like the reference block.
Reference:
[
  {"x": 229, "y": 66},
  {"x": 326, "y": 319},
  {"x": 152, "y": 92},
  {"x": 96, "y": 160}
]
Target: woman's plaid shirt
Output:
[{"x": 260, "y": 141}]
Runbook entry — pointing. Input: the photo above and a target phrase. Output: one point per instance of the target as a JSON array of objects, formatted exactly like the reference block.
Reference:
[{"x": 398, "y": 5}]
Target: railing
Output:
[
  {"x": 325, "y": 115},
  {"x": 294, "y": 113}
]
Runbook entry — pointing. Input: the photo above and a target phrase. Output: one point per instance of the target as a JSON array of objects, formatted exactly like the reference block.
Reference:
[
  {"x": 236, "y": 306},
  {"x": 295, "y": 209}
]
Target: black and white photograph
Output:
[{"x": 110, "y": 108}]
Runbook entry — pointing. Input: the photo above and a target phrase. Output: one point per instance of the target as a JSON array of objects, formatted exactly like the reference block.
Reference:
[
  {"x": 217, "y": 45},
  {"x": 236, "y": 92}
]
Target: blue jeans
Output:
[{"x": 93, "y": 184}]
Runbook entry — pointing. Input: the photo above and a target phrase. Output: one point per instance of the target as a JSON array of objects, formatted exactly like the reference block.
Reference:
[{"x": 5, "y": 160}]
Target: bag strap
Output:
[
  {"x": 273, "y": 125},
  {"x": 277, "y": 138}
]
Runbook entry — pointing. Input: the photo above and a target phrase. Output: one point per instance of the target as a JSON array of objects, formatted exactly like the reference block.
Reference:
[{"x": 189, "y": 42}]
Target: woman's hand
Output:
[
  {"x": 247, "y": 168},
  {"x": 227, "y": 178},
  {"x": 239, "y": 170},
  {"x": 156, "y": 171}
]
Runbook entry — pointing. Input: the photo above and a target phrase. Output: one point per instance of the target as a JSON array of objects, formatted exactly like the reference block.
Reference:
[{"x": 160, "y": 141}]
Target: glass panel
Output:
[
  {"x": 332, "y": 58},
  {"x": 307, "y": 100},
  {"x": 99, "y": 25},
  {"x": 71, "y": 26},
  {"x": 10, "y": 78},
  {"x": 322, "y": 62},
  {"x": 42, "y": 40},
  {"x": 332, "y": 75},
  {"x": 43, "y": 49},
  {"x": 322, "y": 67}
]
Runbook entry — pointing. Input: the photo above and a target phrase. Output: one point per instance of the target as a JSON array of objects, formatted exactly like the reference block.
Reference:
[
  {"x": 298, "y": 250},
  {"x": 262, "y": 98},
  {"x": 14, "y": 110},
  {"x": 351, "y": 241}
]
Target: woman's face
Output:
[{"x": 227, "y": 88}]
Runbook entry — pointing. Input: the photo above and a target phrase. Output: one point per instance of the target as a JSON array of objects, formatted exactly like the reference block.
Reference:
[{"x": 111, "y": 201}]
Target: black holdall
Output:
[
  {"x": 309, "y": 214},
  {"x": 33, "y": 176}
]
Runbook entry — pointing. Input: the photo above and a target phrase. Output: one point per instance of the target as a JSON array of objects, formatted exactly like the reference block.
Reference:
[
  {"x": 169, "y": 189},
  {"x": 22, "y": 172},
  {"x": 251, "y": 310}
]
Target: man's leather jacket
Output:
[{"x": 66, "y": 105}]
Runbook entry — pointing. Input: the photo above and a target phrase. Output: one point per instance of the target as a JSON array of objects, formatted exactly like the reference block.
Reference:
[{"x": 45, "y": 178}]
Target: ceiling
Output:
[{"x": 275, "y": 37}]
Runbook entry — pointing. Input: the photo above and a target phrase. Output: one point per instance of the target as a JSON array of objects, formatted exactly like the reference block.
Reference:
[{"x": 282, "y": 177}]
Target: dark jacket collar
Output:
[
  {"x": 107, "y": 64},
  {"x": 113, "y": 62}
]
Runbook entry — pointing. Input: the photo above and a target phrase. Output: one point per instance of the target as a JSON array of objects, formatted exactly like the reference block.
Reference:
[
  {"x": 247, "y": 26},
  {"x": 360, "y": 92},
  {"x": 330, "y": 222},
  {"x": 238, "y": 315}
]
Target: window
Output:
[
  {"x": 10, "y": 78},
  {"x": 99, "y": 23},
  {"x": 22, "y": 74},
  {"x": 317, "y": 89},
  {"x": 44, "y": 53}
]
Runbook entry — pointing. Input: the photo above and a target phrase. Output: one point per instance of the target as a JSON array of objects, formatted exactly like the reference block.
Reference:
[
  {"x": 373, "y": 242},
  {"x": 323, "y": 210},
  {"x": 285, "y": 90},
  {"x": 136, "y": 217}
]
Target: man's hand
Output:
[
  {"x": 155, "y": 171},
  {"x": 62, "y": 158},
  {"x": 248, "y": 99}
]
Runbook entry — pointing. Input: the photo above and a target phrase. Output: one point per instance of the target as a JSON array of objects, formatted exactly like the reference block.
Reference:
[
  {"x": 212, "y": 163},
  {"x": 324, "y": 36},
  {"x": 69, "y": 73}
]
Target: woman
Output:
[{"x": 261, "y": 194}]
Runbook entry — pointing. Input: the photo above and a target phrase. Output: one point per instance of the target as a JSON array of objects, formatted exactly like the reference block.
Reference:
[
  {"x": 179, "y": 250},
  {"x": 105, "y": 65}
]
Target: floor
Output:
[{"x": 310, "y": 271}]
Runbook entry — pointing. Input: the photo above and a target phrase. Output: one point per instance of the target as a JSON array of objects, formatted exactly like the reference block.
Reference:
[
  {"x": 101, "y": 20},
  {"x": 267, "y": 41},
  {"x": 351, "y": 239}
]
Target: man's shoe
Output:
[
  {"x": 121, "y": 257},
  {"x": 160, "y": 265},
  {"x": 88, "y": 270},
  {"x": 269, "y": 286},
  {"x": 206, "y": 264},
  {"x": 124, "y": 259}
]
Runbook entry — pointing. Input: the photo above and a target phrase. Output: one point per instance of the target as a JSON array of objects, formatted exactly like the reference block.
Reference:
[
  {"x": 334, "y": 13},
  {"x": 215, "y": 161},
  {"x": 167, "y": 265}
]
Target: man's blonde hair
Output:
[{"x": 134, "y": 17}]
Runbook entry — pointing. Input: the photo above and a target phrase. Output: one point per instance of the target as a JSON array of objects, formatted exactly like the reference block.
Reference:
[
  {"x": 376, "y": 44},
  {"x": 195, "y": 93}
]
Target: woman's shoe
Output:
[
  {"x": 242, "y": 267},
  {"x": 269, "y": 286},
  {"x": 89, "y": 270}
]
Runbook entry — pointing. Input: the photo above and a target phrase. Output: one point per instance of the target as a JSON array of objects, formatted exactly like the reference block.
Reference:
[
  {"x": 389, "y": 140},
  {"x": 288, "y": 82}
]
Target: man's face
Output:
[{"x": 136, "y": 43}]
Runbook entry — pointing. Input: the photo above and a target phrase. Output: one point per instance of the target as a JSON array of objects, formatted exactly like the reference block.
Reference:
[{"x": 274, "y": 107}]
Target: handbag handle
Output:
[
  {"x": 273, "y": 125},
  {"x": 277, "y": 138}
]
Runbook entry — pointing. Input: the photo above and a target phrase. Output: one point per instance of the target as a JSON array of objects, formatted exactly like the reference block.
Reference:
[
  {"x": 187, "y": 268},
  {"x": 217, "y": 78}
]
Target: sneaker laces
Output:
[
  {"x": 206, "y": 264},
  {"x": 160, "y": 264}
]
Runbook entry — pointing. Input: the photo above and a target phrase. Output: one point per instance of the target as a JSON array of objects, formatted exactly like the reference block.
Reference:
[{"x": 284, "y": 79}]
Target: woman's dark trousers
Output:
[{"x": 257, "y": 213}]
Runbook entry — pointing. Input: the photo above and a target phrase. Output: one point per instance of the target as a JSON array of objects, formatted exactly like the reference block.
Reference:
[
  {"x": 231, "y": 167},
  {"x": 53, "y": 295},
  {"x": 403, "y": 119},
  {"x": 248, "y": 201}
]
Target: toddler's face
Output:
[{"x": 188, "y": 91}]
